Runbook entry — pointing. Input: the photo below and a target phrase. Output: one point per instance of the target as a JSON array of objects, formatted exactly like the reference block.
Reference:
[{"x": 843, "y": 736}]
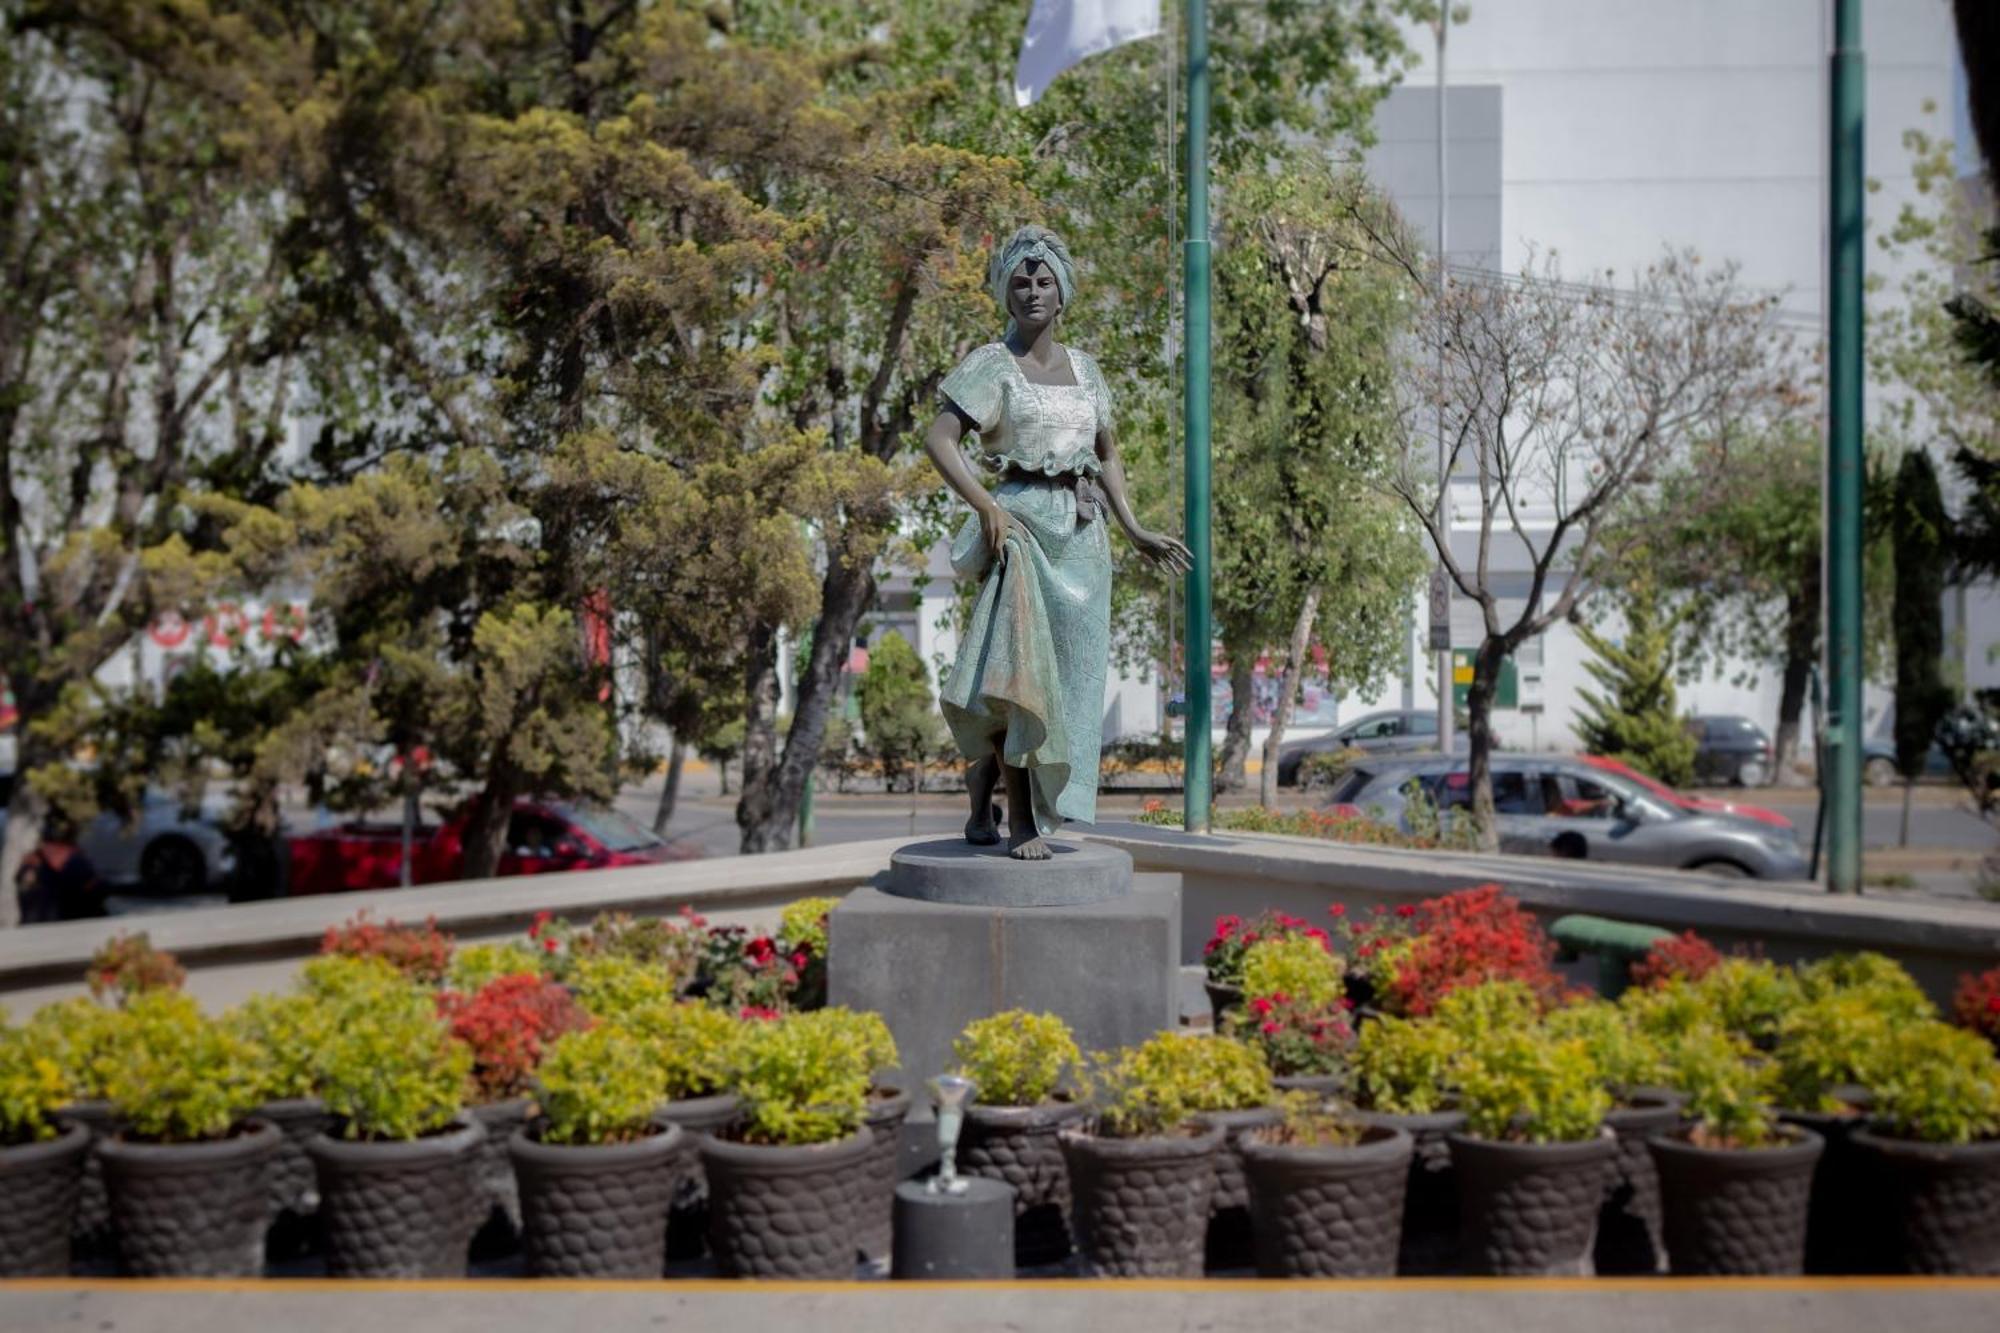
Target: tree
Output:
[
  {"x": 1922, "y": 535},
  {"x": 1741, "y": 564},
  {"x": 1560, "y": 404},
  {"x": 1635, "y": 716},
  {"x": 899, "y": 717}
]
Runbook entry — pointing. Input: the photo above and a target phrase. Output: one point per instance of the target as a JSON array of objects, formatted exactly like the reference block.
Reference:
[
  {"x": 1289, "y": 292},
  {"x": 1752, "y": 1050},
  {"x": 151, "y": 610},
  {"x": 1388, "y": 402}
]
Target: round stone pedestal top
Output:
[{"x": 951, "y": 870}]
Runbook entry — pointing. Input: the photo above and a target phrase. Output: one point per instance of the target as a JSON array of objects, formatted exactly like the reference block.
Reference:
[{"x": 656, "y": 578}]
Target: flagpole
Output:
[{"x": 1195, "y": 250}]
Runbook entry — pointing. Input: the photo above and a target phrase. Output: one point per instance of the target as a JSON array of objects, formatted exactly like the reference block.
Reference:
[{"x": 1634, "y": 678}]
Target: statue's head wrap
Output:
[{"x": 1030, "y": 243}]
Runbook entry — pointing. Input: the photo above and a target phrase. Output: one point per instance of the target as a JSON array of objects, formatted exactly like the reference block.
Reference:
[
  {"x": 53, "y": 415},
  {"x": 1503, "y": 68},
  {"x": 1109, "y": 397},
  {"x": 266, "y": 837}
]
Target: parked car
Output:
[
  {"x": 164, "y": 849},
  {"x": 1730, "y": 750},
  {"x": 1703, "y": 804},
  {"x": 1558, "y": 805},
  {"x": 1878, "y": 755},
  {"x": 1395, "y": 731},
  {"x": 542, "y": 837}
]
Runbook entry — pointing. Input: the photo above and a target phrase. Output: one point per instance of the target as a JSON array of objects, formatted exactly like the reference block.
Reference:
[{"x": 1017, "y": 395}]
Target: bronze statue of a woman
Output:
[{"x": 1025, "y": 700}]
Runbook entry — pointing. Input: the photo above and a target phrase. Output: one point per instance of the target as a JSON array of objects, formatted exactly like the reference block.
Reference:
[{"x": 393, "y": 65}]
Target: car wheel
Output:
[
  {"x": 1751, "y": 773},
  {"x": 172, "y": 867},
  {"x": 1879, "y": 772},
  {"x": 1723, "y": 870}
]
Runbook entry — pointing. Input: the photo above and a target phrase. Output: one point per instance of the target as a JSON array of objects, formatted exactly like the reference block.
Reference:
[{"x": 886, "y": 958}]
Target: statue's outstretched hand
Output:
[{"x": 1163, "y": 550}]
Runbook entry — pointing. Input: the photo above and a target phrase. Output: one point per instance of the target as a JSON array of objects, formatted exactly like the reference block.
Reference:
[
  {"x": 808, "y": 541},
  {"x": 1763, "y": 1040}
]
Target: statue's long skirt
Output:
[{"x": 1033, "y": 657}]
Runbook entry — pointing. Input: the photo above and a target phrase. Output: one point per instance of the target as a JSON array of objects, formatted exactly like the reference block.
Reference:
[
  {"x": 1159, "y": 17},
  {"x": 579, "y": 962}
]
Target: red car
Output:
[
  {"x": 542, "y": 837},
  {"x": 1705, "y": 804}
]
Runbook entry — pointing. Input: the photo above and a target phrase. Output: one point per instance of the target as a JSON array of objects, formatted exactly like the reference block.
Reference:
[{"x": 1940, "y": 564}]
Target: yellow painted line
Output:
[{"x": 1219, "y": 1286}]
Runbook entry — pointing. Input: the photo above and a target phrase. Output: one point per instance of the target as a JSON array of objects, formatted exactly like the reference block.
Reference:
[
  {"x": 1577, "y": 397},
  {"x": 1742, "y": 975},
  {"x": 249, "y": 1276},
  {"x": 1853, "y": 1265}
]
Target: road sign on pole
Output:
[{"x": 1440, "y": 611}]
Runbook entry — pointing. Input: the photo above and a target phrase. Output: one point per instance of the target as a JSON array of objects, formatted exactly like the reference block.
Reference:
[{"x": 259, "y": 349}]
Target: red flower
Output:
[
  {"x": 1261, "y": 1005},
  {"x": 551, "y": 944},
  {"x": 760, "y": 950},
  {"x": 1406, "y": 909},
  {"x": 1270, "y": 1028},
  {"x": 1338, "y": 909},
  {"x": 1993, "y": 1004},
  {"x": 758, "y": 1013}
]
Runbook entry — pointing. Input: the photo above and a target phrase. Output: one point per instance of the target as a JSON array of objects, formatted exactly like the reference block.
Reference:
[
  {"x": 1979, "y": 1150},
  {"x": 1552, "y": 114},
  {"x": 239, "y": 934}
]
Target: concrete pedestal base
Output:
[
  {"x": 1109, "y": 969},
  {"x": 967, "y": 1236}
]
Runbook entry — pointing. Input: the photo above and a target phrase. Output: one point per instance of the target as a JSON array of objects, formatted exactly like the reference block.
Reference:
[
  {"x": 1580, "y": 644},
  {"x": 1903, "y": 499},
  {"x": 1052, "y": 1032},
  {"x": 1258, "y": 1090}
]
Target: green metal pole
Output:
[
  {"x": 1200, "y": 634},
  {"x": 1840, "y": 778},
  {"x": 807, "y": 824}
]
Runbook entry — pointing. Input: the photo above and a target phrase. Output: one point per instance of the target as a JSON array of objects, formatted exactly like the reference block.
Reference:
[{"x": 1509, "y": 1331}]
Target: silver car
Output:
[
  {"x": 162, "y": 851},
  {"x": 1554, "y": 805}
]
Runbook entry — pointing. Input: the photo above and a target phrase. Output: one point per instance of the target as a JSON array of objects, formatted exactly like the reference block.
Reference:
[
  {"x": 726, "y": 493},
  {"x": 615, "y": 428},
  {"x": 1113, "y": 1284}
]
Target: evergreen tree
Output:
[
  {"x": 1636, "y": 717},
  {"x": 899, "y": 718},
  {"x": 1922, "y": 533}
]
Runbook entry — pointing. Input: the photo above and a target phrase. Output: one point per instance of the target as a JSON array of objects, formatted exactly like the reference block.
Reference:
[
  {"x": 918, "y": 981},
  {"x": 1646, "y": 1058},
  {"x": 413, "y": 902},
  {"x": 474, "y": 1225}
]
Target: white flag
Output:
[{"x": 1063, "y": 32}]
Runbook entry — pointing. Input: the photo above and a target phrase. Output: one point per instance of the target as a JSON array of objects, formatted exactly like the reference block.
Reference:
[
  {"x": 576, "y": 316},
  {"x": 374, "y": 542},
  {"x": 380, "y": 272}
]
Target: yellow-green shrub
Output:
[
  {"x": 1751, "y": 997},
  {"x": 291, "y": 1033},
  {"x": 391, "y": 1071},
  {"x": 1530, "y": 1088},
  {"x": 1941, "y": 1084},
  {"x": 182, "y": 1077},
  {"x": 802, "y": 924},
  {"x": 794, "y": 1089},
  {"x": 611, "y": 987},
  {"x": 1298, "y": 966},
  {"x": 32, "y": 1087},
  {"x": 83, "y": 1038},
  {"x": 1890, "y": 989},
  {"x": 1841, "y": 1037},
  {"x": 1728, "y": 1089},
  {"x": 598, "y": 1086},
  {"x": 692, "y": 1045},
  {"x": 1474, "y": 1013},
  {"x": 343, "y": 978},
  {"x": 1406, "y": 1066},
  {"x": 859, "y": 1036},
  {"x": 473, "y": 965},
  {"x": 1157, "y": 1086},
  {"x": 1017, "y": 1058},
  {"x": 1624, "y": 1057}
]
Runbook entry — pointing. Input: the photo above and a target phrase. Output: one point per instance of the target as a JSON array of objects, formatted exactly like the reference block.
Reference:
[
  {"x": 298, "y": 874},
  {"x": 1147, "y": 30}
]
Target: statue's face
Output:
[{"x": 1034, "y": 297}]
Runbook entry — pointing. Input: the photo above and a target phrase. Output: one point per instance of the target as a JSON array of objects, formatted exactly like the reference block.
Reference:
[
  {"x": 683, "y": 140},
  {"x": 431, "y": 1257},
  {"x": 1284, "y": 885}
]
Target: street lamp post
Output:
[
  {"x": 1198, "y": 777},
  {"x": 1840, "y": 777}
]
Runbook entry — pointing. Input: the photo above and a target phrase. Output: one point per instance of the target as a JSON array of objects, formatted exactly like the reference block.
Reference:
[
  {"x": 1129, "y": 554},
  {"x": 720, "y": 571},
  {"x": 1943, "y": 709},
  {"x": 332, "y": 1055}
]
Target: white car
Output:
[{"x": 162, "y": 852}]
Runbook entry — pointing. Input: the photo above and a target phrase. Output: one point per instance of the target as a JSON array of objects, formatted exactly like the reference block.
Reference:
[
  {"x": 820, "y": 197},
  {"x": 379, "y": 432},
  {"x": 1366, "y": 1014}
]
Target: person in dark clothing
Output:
[{"x": 57, "y": 881}]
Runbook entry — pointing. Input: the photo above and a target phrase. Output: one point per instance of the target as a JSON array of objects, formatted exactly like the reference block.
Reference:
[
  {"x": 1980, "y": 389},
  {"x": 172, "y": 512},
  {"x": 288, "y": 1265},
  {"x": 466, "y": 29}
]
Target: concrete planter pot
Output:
[
  {"x": 787, "y": 1211},
  {"x": 1222, "y": 1001},
  {"x": 1737, "y": 1212},
  {"x": 597, "y": 1211},
  {"x": 687, "y": 1221},
  {"x": 1228, "y": 1243},
  {"x": 887, "y": 1109},
  {"x": 1020, "y": 1147},
  {"x": 1429, "y": 1244},
  {"x": 39, "y": 1184},
  {"x": 192, "y": 1209},
  {"x": 1530, "y": 1209},
  {"x": 400, "y": 1209},
  {"x": 1318, "y": 1085},
  {"x": 1938, "y": 1203},
  {"x": 1629, "y": 1237},
  {"x": 294, "y": 1183},
  {"x": 1140, "y": 1206},
  {"x": 90, "y": 1234},
  {"x": 500, "y": 1226},
  {"x": 1843, "y": 1189},
  {"x": 1328, "y": 1212}
]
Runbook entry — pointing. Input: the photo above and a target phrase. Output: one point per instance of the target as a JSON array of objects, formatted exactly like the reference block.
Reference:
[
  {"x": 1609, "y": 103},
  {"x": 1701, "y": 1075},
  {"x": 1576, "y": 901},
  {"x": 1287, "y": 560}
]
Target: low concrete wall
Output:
[
  {"x": 1247, "y": 873},
  {"x": 231, "y": 952}
]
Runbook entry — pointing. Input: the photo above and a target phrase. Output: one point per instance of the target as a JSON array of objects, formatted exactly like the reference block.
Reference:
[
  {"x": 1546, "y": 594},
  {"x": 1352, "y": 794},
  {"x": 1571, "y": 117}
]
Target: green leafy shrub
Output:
[
  {"x": 1406, "y": 1066},
  {"x": 1728, "y": 1089},
  {"x": 83, "y": 1038},
  {"x": 1299, "y": 967},
  {"x": 598, "y": 1086},
  {"x": 1310, "y": 1123},
  {"x": 1222, "y": 1074},
  {"x": 1017, "y": 1058},
  {"x": 182, "y": 1077},
  {"x": 392, "y": 1070},
  {"x": 128, "y": 965},
  {"x": 1751, "y": 997},
  {"x": 692, "y": 1045},
  {"x": 802, "y": 924},
  {"x": 611, "y": 987},
  {"x": 1622, "y": 1056},
  {"x": 1530, "y": 1088},
  {"x": 32, "y": 1088},
  {"x": 344, "y": 978},
  {"x": 1841, "y": 1037},
  {"x": 290, "y": 1033},
  {"x": 1475, "y": 1013},
  {"x": 858, "y": 1036},
  {"x": 794, "y": 1089},
  {"x": 1890, "y": 989},
  {"x": 1941, "y": 1085},
  {"x": 1294, "y": 1038},
  {"x": 1668, "y": 1009},
  {"x": 474, "y": 965},
  {"x": 1156, "y": 1087}
]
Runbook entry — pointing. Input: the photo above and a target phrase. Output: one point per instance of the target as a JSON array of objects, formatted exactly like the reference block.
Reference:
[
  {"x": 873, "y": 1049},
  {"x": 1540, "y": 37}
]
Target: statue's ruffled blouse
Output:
[{"x": 1029, "y": 427}]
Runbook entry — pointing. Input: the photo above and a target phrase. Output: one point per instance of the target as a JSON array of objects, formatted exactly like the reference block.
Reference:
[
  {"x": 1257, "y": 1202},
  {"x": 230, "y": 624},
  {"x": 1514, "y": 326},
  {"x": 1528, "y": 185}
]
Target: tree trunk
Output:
[
  {"x": 1909, "y": 786},
  {"x": 769, "y": 809},
  {"x": 486, "y": 826},
  {"x": 1288, "y": 688},
  {"x": 1230, "y": 764},
  {"x": 25, "y": 812},
  {"x": 760, "y": 731},
  {"x": 1479, "y": 735},
  {"x": 1801, "y": 650},
  {"x": 670, "y": 793}
]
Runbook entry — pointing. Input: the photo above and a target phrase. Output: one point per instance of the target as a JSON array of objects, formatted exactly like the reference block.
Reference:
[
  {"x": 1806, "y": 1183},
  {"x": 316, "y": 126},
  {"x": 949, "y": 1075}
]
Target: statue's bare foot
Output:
[
  {"x": 1030, "y": 848},
  {"x": 984, "y": 831}
]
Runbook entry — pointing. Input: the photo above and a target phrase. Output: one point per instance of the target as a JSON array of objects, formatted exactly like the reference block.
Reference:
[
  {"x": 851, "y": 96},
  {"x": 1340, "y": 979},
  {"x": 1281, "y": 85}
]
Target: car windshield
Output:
[{"x": 617, "y": 831}]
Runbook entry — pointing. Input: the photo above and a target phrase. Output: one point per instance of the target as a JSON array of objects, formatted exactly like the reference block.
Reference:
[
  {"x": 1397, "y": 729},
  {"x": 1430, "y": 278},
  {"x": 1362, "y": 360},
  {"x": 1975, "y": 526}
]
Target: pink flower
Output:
[
  {"x": 1271, "y": 1027},
  {"x": 1338, "y": 909},
  {"x": 551, "y": 944},
  {"x": 1406, "y": 909},
  {"x": 1260, "y": 1006}
]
